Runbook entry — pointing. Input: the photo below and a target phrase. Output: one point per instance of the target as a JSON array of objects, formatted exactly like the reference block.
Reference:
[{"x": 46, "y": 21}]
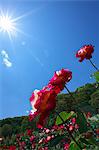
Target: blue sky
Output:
[{"x": 52, "y": 32}]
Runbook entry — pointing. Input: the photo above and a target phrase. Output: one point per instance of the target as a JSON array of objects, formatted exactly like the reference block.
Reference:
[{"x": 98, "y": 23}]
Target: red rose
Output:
[
  {"x": 43, "y": 102},
  {"x": 85, "y": 52}
]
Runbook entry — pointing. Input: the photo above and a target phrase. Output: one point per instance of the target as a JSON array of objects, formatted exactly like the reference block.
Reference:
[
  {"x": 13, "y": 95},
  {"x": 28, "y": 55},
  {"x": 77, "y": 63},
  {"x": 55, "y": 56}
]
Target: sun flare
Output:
[
  {"x": 7, "y": 25},
  {"x": 10, "y": 25}
]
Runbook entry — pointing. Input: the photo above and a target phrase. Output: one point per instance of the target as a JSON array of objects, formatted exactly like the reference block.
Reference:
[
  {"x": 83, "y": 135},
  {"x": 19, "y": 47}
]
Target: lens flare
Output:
[{"x": 7, "y": 25}]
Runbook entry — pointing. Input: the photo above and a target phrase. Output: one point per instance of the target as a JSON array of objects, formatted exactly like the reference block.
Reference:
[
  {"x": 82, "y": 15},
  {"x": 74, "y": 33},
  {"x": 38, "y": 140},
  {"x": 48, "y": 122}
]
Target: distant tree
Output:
[
  {"x": 65, "y": 102},
  {"x": 82, "y": 96},
  {"x": 24, "y": 124},
  {"x": 95, "y": 100},
  {"x": 6, "y": 130},
  {"x": 16, "y": 129},
  {"x": 6, "y": 121},
  {"x": 88, "y": 88}
]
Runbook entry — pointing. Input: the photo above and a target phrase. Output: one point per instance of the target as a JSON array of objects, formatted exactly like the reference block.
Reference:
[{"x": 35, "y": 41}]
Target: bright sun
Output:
[{"x": 7, "y": 24}]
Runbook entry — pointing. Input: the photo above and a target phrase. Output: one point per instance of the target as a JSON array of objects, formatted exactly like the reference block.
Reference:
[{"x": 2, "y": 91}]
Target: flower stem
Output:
[
  {"x": 75, "y": 100},
  {"x": 93, "y": 65},
  {"x": 69, "y": 132},
  {"x": 69, "y": 93}
]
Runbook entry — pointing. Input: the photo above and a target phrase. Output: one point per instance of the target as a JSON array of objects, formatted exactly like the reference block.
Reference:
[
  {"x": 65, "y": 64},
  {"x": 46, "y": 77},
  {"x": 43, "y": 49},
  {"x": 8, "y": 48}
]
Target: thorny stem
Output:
[
  {"x": 93, "y": 65},
  {"x": 69, "y": 132}
]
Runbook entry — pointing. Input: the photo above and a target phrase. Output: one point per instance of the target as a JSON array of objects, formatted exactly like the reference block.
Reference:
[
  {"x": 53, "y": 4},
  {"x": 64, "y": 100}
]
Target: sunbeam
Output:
[{"x": 9, "y": 25}]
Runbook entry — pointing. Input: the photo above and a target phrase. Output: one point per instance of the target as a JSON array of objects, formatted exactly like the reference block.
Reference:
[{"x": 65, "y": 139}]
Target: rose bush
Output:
[{"x": 71, "y": 130}]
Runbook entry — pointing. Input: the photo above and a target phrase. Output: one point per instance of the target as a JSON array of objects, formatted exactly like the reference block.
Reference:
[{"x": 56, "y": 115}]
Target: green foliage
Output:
[
  {"x": 83, "y": 140},
  {"x": 24, "y": 124},
  {"x": 51, "y": 119},
  {"x": 92, "y": 141},
  {"x": 65, "y": 101},
  {"x": 6, "y": 130},
  {"x": 65, "y": 116},
  {"x": 73, "y": 146},
  {"x": 56, "y": 140},
  {"x": 82, "y": 98},
  {"x": 86, "y": 98},
  {"x": 94, "y": 121},
  {"x": 95, "y": 99},
  {"x": 82, "y": 122},
  {"x": 12, "y": 139},
  {"x": 96, "y": 76},
  {"x": 88, "y": 88}
]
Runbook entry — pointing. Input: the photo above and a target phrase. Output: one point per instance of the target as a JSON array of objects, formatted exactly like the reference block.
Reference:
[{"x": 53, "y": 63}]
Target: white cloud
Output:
[
  {"x": 7, "y": 63},
  {"x": 4, "y": 54},
  {"x": 5, "y": 58}
]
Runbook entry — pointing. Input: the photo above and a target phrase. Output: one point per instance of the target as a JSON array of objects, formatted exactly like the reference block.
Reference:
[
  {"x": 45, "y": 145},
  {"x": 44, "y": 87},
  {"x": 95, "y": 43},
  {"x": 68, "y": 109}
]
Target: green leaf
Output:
[
  {"x": 64, "y": 115},
  {"x": 82, "y": 122},
  {"x": 73, "y": 146},
  {"x": 84, "y": 141},
  {"x": 92, "y": 141},
  {"x": 56, "y": 140},
  {"x": 96, "y": 76}
]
